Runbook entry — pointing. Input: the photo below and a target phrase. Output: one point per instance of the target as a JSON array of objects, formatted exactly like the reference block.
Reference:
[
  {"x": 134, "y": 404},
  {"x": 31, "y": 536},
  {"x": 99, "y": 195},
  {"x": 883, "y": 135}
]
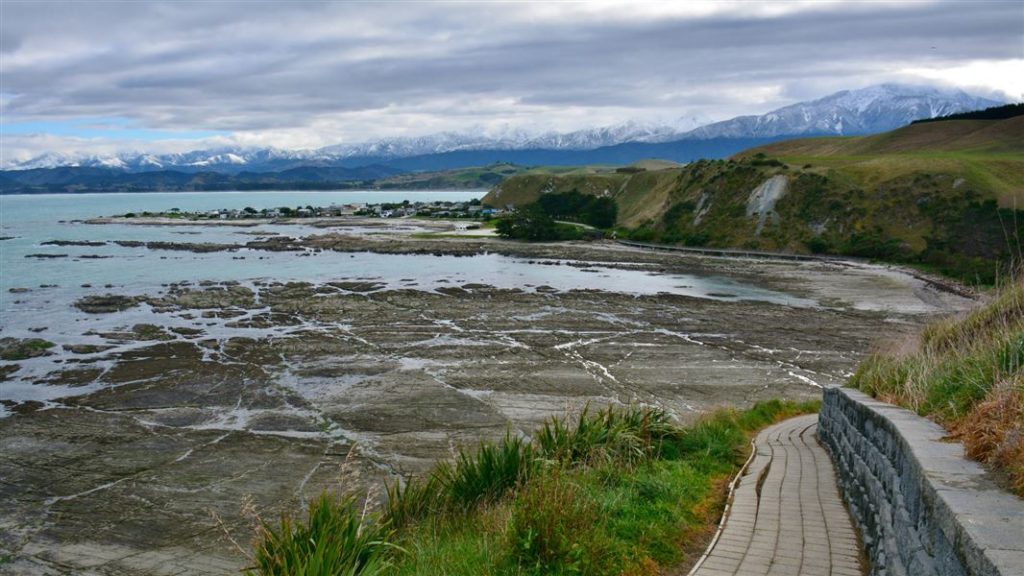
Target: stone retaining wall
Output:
[{"x": 922, "y": 508}]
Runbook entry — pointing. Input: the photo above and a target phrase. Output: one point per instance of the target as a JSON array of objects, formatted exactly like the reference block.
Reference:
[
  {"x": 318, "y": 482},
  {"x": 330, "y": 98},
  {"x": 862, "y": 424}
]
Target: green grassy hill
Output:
[
  {"x": 957, "y": 136},
  {"x": 477, "y": 177},
  {"x": 987, "y": 154},
  {"x": 939, "y": 194},
  {"x": 483, "y": 177}
]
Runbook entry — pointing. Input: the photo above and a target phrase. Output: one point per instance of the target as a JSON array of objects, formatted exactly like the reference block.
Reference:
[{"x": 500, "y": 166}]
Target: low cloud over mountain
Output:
[{"x": 849, "y": 112}]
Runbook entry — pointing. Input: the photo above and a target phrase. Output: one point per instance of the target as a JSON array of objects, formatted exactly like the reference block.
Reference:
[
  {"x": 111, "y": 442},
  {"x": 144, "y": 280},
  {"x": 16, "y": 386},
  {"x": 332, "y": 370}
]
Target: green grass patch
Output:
[{"x": 615, "y": 491}]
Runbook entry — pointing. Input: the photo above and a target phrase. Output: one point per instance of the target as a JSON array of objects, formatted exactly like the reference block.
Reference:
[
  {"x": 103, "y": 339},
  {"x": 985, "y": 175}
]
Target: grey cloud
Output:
[
  {"x": 257, "y": 66},
  {"x": 9, "y": 42}
]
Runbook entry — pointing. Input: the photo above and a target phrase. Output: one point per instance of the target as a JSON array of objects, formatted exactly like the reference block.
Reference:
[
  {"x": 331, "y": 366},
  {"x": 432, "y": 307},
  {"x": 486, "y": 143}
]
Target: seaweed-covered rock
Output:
[
  {"x": 22, "y": 349},
  {"x": 106, "y": 303},
  {"x": 74, "y": 243}
]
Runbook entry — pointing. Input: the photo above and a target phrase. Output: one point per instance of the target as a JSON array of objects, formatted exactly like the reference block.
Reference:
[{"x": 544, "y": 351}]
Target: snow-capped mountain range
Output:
[
  {"x": 868, "y": 110},
  {"x": 629, "y": 131}
]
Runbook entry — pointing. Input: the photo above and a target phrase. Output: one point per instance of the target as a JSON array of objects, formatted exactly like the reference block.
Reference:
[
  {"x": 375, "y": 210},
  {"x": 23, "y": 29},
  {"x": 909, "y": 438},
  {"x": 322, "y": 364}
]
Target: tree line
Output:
[{"x": 538, "y": 221}]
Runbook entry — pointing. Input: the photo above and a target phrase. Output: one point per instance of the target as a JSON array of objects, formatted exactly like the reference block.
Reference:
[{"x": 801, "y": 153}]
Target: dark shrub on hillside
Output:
[
  {"x": 532, "y": 223},
  {"x": 643, "y": 234},
  {"x": 874, "y": 244},
  {"x": 597, "y": 211},
  {"x": 819, "y": 245},
  {"x": 993, "y": 113}
]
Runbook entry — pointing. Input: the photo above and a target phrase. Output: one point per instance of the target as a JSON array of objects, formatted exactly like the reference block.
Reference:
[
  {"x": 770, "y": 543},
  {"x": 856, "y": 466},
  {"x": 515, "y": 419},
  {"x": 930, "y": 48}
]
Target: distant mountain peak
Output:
[{"x": 862, "y": 111}]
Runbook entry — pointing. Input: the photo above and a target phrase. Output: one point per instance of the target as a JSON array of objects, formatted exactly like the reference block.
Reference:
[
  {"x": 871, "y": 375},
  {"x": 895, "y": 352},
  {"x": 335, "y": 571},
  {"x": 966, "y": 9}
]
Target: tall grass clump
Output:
[
  {"x": 473, "y": 479},
  {"x": 337, "y": 539},
  {"x": 627, "y": 436},
  {"x": 412, "y": 500},
  {"x": 486, "y": 476},
  {"x": 967, "y": 373}
]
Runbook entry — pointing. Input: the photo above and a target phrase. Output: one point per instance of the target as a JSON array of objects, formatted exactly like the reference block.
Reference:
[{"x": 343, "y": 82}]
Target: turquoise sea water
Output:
[{"x": 34, "y": 219}]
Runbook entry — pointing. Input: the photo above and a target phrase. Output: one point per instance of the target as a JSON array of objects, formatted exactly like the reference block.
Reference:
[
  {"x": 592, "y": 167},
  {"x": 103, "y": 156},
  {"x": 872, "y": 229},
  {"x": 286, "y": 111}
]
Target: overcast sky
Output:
[{"x": 103, "y": 76}]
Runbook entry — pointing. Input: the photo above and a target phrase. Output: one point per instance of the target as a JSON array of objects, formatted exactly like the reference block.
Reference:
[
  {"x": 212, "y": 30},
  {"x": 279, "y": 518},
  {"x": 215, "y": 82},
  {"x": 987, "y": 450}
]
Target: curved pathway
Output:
[{"x": 787, "y": 517}]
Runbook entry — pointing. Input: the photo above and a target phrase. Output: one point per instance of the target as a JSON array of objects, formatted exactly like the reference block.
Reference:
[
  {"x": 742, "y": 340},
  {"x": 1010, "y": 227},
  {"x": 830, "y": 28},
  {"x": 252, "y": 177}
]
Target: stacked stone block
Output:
[{"x": 923, "y": 509}]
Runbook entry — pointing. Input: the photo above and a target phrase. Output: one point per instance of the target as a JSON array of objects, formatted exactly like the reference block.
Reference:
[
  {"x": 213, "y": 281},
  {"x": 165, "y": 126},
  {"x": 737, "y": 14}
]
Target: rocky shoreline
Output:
[{"x": 195, "y": 398}]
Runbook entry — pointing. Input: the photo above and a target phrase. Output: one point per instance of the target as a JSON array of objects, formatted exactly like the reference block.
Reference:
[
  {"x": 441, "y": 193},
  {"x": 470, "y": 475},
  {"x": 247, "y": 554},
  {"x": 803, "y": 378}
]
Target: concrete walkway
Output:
[{"x": 786, "y": 517}]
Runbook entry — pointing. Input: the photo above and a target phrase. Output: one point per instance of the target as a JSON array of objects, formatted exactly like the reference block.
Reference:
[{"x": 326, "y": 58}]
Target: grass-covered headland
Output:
[
  {"x": 946, "y": 196},
  {"x": 967, "y": 374},
  {"x": 618, "y": 491}
]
